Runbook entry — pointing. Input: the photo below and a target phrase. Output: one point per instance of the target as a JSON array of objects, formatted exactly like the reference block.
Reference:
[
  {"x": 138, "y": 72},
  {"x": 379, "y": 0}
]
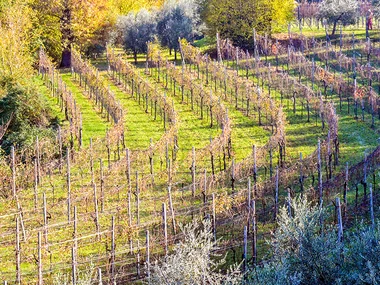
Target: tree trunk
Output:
[
  {"x": 334, "y": 28},
  {"x": 175, "y": 54},
  {"x": 335, "y": 23},
  {"x": 135, "y": 56},
  {"x": 67, "y": 35},
  {"x": 66, "y": 58}
]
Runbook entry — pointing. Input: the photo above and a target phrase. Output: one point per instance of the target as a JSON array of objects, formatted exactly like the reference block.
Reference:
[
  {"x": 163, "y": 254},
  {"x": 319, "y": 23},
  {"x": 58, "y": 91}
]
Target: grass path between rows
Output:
[
  {"x": 94, "y": 124},
  {"x": 140, "y": 126}
]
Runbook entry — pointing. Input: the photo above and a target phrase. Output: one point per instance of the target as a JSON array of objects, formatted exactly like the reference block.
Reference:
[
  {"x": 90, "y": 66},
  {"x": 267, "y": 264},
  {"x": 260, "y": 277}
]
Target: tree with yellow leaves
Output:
[
  {"x": 16, "y": 43},
  {"x": 236, "y": 19},
  {"x": 65, "y": 22},
  {"x": 123, "y": 7}
]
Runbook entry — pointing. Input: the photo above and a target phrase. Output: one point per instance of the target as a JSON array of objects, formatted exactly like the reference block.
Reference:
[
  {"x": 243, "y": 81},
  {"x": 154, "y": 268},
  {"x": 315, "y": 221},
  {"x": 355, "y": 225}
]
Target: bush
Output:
[
  {"x": 193, "y": 261},
  {"x": 303, "y": 253},
  {"x": 29, "y": 113}
]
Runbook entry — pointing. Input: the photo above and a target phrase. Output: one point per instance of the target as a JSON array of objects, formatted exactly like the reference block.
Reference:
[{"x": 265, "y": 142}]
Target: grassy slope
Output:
[
  {"x": 94, "y": 123},
  {"x": 355, "y": 138}
]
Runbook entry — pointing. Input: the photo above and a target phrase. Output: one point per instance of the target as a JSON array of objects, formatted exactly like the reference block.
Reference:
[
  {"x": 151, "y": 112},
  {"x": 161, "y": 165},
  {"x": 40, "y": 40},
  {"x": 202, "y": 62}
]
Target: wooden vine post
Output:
[
  {"x": 213, "y": 217},
  {"x": 18, "y": 252},
  {"x": 255, "y": 171},
  {"x": 301, "y": 179},
  {"x": 289, "y": 202},
  {"x": 113, "y": 246},
  {"x": 345, "y": 192},
  {"x": 73, "y": 267},
  {"x": 233, "y": 175},
  {"x": 137, "y": 199},
  {"x": 171, "y": 209},
  {"x": 254, "y": 231},
  {"x": 100, "y": 281},
  {"x": 319, "y": 166},
  {"x": 147, "y": 262},
  {"x": 45, "y": 220},
  {"x": 372, "y": 214},
  {"x": 101, "y": 185},
  {"x": 13, "y": 167},
  {"x": 193, "y": 166},
  {"x": 75, "y": 230},
  {"x": 40, "y": 278},
  {"x": 340, "y": 223},
  {"x": 128, "y": 174},
  {"x": 96, "y": 210},
  {"x": 165, "y": 228},
  {"x": 35, "y": 184},
  {"x": 276, "y": 195},
  {"x": 245, "y": 253},
  {"x": 68, "y": 182}
]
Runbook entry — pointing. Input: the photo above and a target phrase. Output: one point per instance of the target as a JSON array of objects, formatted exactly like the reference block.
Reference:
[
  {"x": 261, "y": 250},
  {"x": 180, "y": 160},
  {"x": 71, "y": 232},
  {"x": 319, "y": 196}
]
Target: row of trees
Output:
[
  {"x": 176, "y": 19},
  {"x": 232, "y": 19},
  {"x": 184, "y": 19},
  {"x": 235, "y": 19}
]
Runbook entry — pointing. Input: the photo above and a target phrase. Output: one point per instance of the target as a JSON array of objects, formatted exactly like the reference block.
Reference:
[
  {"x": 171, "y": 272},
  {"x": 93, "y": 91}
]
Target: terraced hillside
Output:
[{"x": 146, "y": 147}]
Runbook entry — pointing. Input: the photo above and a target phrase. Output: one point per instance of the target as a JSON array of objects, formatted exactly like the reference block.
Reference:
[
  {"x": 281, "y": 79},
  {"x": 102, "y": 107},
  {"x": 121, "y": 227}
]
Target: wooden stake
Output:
[
  {"x": 73, "y": 267},
  {"x": 233, "y": 175},
  {"x": 60, "y": 148},
  {"x": 100, "y": 282},
  {"x": 40, "y": 279},
  {"x": 213, "y": 217},
  {"x": 138, "y": 259},
  {"x": 172, "y": 210},
  {"x": 147, "y": 255},
  {"x": 276, "y": 195},
  {"x": 113, "y": 251},
  {"x": 13, "y": 166},
  {"x": 68, "y": 181},
  {"x": 35, "y": 184},
  {"x": 18, "y": 253},
  {"x": 101, "y": 186},
  {"x": 75, "y": 230},
  {"x": 245, "y": 254},
  {"x": 165, "y": 228},
  {"x": 345, "y": 192},
  {"x": 193, "y": 172},
  {"x": 137, "y": 199},
  {"x": 96, "y": 220},
  {"x": 320, "y": 174},
  {"x": 205, "y": 187},
  {"x": 301, "y": 174},
  {"x": 91, "y": 163},
  {"x": 371, "y": 207},
  {"x": 340, "y": 223},
  {"x": 128, "y": 173},
  {"x": 45, "y": 220},
  {"x": 38, "y": 160},
  {"x": 254, "y": 231}
]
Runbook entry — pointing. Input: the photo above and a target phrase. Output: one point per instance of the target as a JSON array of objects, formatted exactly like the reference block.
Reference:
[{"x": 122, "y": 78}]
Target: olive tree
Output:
[
  {"x": 338, "y": 11},
  {"x": 192, "y": 261},
  {"x": 137, "y": 30},
  {"x": 304, "y": 253},
  {"x": 177, "y": 19}
]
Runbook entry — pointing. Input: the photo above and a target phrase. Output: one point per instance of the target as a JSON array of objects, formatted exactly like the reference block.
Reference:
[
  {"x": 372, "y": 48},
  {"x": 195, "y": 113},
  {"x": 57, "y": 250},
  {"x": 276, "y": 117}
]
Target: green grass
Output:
[
  {"x": 192, "y": 130},
  {"x": 56, "y": 111},
  {"x": 94, "y": 123},
  {"x": 355, "y": 138},
  {"x": 140, "y": 126}
]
